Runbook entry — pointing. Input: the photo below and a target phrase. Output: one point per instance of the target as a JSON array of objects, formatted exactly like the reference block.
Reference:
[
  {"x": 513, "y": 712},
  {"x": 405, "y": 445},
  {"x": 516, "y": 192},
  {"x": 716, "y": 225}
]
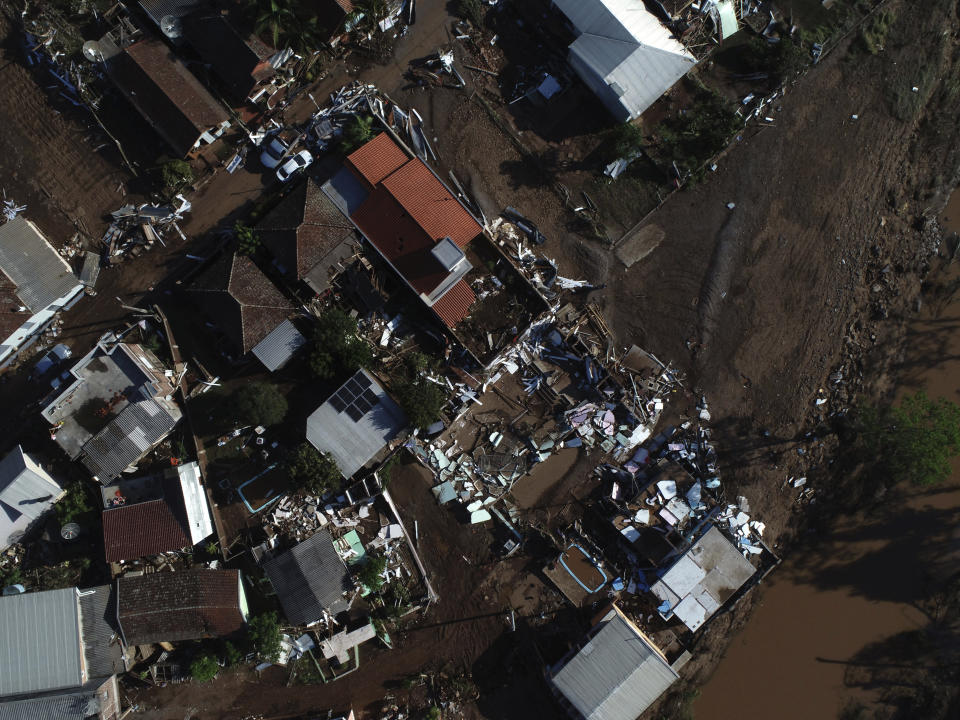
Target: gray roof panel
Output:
[
  {"x": 138, "y": 427},
  {"x": 40, "y": 274},
  {"x": 39, "y": 642},
  {"x": 72, "y": 706},
  {"x": 280, "y": 344},
  {"x": 309, "y": 578},
  {"x": 25, "y": 486},
  {"x": 616, "y": 675},
  {"x": 98, "y": 617}
]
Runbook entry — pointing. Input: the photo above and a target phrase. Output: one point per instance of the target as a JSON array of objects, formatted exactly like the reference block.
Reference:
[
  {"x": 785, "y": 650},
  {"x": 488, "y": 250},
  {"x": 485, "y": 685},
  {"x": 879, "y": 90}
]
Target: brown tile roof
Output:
[
  {"x": 239, "y": 61},
  {"x": 345, "y": 5},
  {"x": 376, "y": 159},
  {"x": 455, "y": 304},
  {"x": 176, "y": 606},
  {"x": 303, "y": 229},
  {"x": 165, "y": 92},
  {"x": 147, "y": 528},
  {"x": 242, "y": 301}
]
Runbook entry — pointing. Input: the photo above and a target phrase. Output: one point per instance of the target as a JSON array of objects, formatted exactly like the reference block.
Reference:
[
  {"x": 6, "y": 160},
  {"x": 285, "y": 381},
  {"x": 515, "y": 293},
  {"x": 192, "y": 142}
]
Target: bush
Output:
[
  {"x": 258, "y": 404},
  {"x": 422, "y": 401},
  {"x": 248, "y": 239},
  {"x": 370, "y": 573},
  {"x": 471, "y": 10},
  {"x": 623, "y": 141},
  {"x": 695, "y": 136},
  {"x": 176, "y": 174},
  {"x": 231, "y": 655},
  {"x": 335, "y": 348},
  {"x": 873, "y": 35},
  {"x": 73, "y": 504},
  {"x": 311, "y": 470},
  {"x": 204, "y": 668},
  {"x": 263, "y": 634}
]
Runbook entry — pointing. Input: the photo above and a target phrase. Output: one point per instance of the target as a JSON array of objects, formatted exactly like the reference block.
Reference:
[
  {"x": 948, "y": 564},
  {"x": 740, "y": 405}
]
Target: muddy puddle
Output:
[{"x": 823, "y": 610}]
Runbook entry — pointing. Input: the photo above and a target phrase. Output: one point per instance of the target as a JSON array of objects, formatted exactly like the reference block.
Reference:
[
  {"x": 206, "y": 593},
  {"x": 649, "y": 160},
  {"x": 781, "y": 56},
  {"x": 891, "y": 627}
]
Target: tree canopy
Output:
[
  {"x": 263, "y": 633},
  {"x": 311, "y": 470},
  {"x": 335, "y": 348},
  {"x": 204, "y": 668},
  {"x": 422, "y": 401},
  {"x": 258, "y": 404},
  {"x": 371, "y": 573},
  {"x": 357, "y": 131},
  {"x": 914, "y": 441}
]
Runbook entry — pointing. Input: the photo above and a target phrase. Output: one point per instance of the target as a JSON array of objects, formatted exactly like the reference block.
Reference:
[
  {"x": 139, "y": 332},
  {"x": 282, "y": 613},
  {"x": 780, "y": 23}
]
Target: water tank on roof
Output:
[{"x": 171, "y": 26}]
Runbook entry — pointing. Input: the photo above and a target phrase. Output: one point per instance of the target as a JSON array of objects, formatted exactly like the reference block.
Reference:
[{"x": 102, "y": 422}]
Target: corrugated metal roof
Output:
[
  {"x": 25, "y": 486},
  {"x": 376, "y": 159},
  {"x": 39, "y": 642},
  {"x": 128, "y": 437},
  {"x": 309, "y": 578},
  {"x": 101, "y": 639},
  {"x": 156, "y": 10},
  {"x": 280, "y": 344},
  {"x": 71, "y": 706},
  {"x": 353, "y": 440},
  {"x": 38, "y": 271},
  {"x": 455, "y": 304},
  {"x": 616, "y": 675},
  {"x": 626, "y": 56}
]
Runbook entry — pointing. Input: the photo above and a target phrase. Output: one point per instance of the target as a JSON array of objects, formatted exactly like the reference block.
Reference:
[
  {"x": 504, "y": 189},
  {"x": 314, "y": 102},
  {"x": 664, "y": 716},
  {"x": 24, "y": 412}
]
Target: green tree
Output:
[
  {"x": 357, "y": 131},
  {"x": 176, "y": 174},
  {"x": 336, "y": 349},
  {"x": 624, "y": 140},
  {"x": 914, "y": 441},
  {"x": 258, "y": 403},
  {"x": 312, "y": 470},
  {"x": 275, "y": 19},
  {"x": 693, "y": 137},
  {"x": 248, "y": 239},
  {"x": 370, "y": 574},
  {"x": 433, "y": 713},
  {"x": 231, "y": 655},
  {"x": 263, "y": 634},
  {"x": 74, "y": 504},
  {"x": 204, "y": 668},
  {"x": 422, "y": 401}
]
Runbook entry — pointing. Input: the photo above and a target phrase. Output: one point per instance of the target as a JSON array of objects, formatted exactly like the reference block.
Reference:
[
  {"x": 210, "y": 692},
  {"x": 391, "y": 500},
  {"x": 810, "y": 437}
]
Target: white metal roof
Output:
[
  {"x": 195, "y": 502},
  {"x": 626, "y": 48},
  {"x": 617, "y": 674},
  {"x": 40, "y": 642},
  {"x": 276, "y": 349}
]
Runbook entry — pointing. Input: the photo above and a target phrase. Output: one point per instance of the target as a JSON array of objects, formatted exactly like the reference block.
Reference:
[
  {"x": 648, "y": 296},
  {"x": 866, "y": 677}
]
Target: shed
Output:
[
  {"x": 355, "y": 423},
  {"x": 26, "y": 492},
  {"x": 309, "y": 579},
  {"x": 624, "y": 54},
  {"x": 616, "y": 674},
  {"x": 702, "y": 579},
  {"x": 280, "y": 344}
]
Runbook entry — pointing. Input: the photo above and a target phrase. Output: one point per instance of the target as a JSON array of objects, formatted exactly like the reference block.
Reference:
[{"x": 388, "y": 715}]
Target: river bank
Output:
[{"x": 841, "y": 604}]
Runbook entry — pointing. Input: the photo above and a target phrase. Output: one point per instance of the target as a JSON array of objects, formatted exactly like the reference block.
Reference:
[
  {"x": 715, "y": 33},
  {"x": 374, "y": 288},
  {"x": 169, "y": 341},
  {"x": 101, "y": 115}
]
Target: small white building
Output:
[
  {"x": 35, "y": 284},
  {"x": 624, "y": 54},
  {"x": 26, "y": 492}
]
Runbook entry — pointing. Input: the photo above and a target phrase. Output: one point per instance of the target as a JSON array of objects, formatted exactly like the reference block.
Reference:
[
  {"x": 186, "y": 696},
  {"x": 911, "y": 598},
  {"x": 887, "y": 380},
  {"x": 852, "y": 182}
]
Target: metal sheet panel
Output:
[
  {"x": 39, "y": 642},
  {"x": 38, "y": 271},
  {"x": 280, "y": 344}
]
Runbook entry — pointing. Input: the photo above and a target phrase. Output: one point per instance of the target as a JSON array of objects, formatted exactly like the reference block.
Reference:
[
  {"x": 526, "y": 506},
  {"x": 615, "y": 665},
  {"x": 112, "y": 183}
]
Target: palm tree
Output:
[{"x": 277, "y": 18}]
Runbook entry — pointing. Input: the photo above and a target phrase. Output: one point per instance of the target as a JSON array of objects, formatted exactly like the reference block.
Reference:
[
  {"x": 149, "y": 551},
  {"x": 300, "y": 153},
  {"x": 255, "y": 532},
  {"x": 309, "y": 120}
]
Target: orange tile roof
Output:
[
  {"x": 377, "y": 159},
  {"x": 430, "y": 204},
  {"x": 455, "y": 304}
]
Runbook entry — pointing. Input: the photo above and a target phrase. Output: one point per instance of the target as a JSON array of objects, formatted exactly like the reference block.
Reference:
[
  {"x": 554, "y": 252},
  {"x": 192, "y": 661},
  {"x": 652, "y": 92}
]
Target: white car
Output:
[
  {"x": 273, "y": 152},
  {"x": 296, "y": 163}
]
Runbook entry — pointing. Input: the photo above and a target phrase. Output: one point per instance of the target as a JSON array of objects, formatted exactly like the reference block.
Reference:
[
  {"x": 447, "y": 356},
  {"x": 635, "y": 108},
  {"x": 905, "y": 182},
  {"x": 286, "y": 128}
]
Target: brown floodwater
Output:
[{"x": 859, "y": 587}]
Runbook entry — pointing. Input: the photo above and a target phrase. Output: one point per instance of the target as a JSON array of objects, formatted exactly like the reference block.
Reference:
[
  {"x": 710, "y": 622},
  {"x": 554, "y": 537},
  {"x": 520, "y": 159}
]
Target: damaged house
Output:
[
  {"x": 310, "y": 579},
  {"x": 155, "y": 514},
  {"x": 27, "y": 492},
  {"x": 412, "y": 220},
  {"x": 615, "y": 674},
  {"x": 35, "y": 284},
  {"x": 623, "y": 53},
  {"x": 116, "y": 410},
  {"x": 308, "y": 236},
  {"x": 60, "y": 655},
  {"x": 241, "y": 301},
  {"x": 168, "y": 96}
]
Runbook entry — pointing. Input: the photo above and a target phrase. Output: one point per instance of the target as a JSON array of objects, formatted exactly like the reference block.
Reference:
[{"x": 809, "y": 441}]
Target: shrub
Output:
[
  {"x": 263, "y": 634},
  {"x": 176, "y": 174},
  {"x": 422, "y": 401},
  {"x": 258, "y": 404},
  {"x": 311, "y": 470},
  {"x": 335, "y": 348},
  {"x": 73, "y": 504},
  {"x": 248, "y": 239},
  {"x": 356, "y": 132},
  {"x": 204, "y": 668},
  {"x": 370, "y": 573},
  {"x": 695, "y": 136},
  {"x": 231, "y": 655}
]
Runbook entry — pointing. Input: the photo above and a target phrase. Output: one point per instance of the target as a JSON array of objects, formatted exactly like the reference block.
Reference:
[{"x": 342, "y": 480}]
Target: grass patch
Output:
[{"x": 874, "y": 33}]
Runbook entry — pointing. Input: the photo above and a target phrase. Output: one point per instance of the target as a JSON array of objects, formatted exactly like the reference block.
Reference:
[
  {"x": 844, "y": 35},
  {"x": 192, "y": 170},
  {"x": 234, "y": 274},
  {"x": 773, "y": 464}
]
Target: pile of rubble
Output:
[{"x": 136, "y": 229}]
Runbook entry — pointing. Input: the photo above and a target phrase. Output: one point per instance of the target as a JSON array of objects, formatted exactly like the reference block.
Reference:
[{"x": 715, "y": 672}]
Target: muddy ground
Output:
[{"x": 758, "y": 305}]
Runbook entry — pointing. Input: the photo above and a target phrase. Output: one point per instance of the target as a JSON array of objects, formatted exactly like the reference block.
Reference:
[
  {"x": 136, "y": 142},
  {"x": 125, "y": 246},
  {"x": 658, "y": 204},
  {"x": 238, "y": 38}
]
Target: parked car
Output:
[
  {"x": 296, "y": 163},
  {"x": 273, "y": 151},
  {"x": 53, "y": 357}
]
